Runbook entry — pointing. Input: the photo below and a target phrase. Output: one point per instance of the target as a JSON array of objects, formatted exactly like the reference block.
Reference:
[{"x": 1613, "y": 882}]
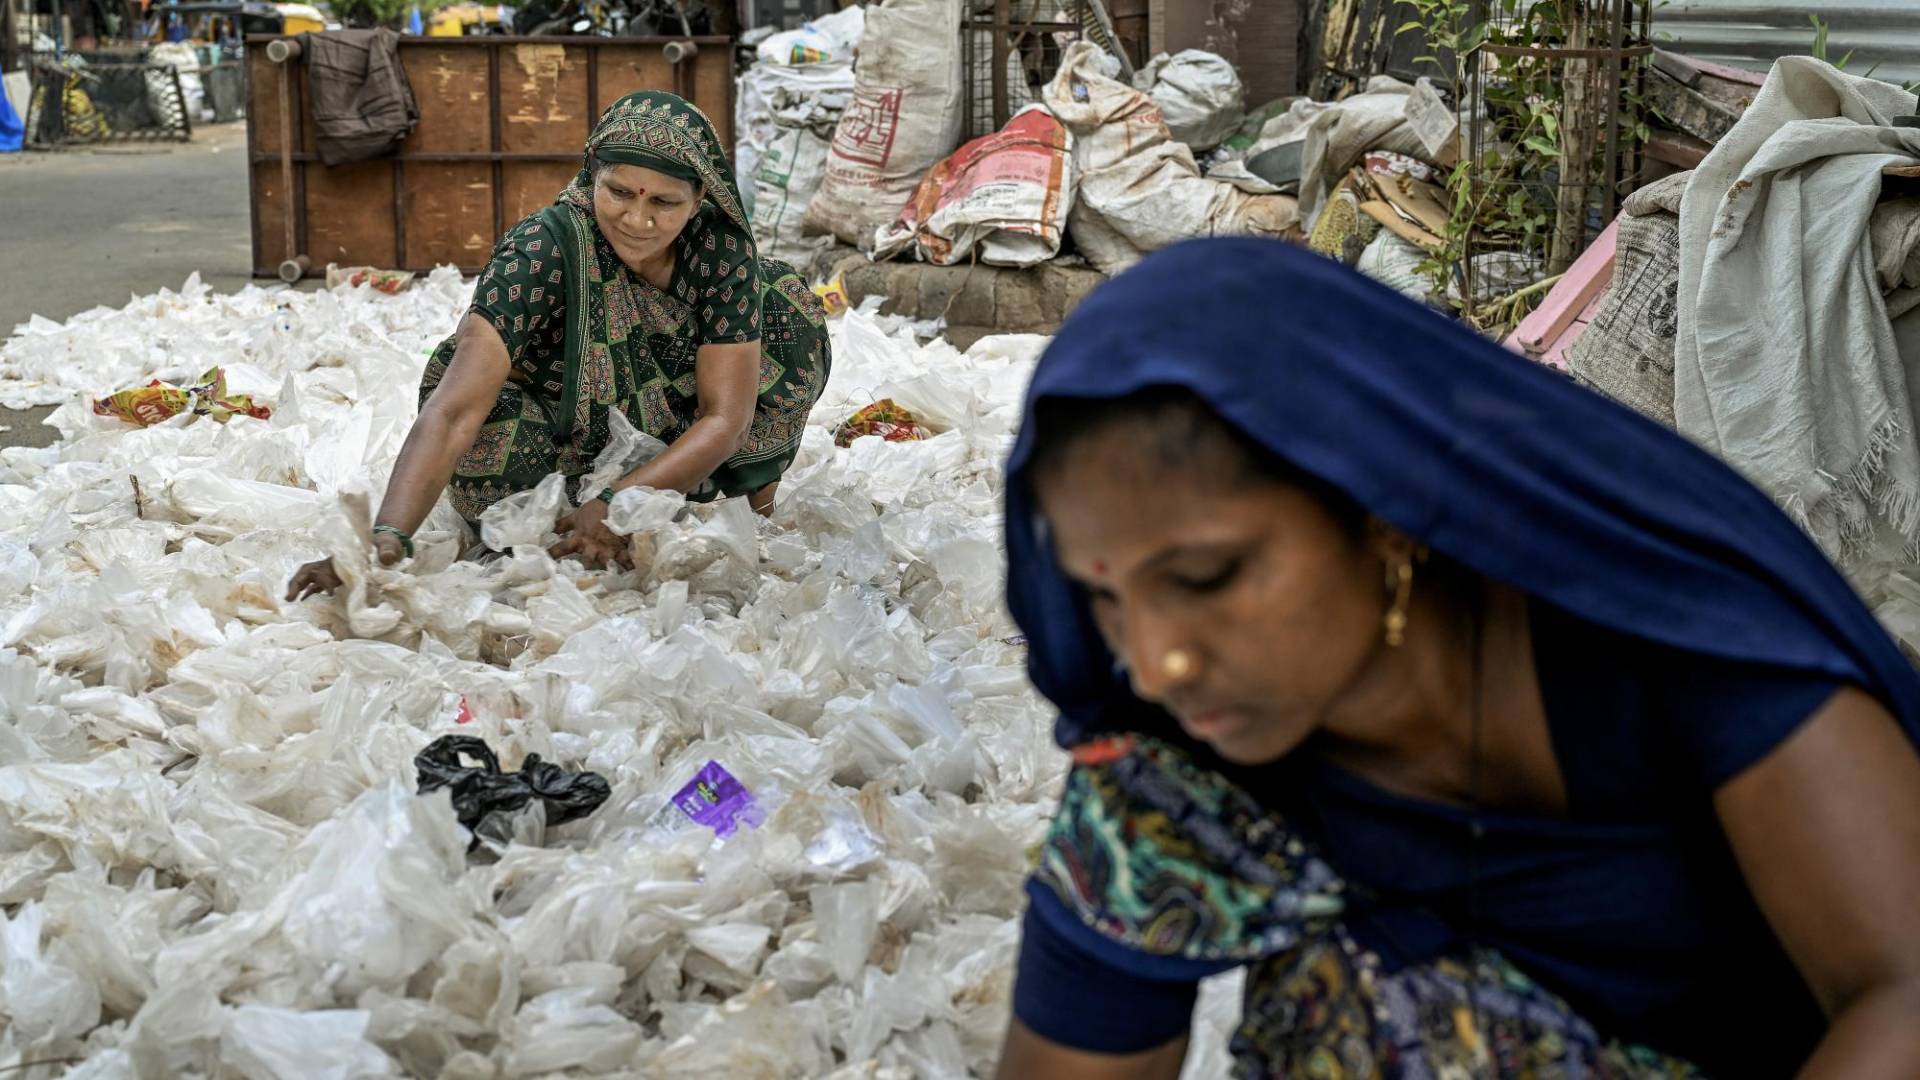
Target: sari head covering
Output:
[
  {"x": 716, "y": 258},
  {"x": 666, "y": 133},
  {"x": 1507, "y": 468}
]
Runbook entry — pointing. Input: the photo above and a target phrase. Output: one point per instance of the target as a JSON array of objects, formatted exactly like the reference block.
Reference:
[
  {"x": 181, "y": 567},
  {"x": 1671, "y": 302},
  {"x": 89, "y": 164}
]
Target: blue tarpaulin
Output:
[{"x": 12, "y": 131}]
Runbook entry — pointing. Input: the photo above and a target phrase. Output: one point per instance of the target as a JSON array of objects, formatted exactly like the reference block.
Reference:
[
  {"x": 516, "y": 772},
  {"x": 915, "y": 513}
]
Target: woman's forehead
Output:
[{"x": 642, "y": 180}]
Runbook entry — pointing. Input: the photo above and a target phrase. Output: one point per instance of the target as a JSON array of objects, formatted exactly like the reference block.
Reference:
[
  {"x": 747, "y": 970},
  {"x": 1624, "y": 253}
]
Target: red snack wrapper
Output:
[
  {"x": 882, "y": 418},
  {"x": 385, "y": 281},
  {"x": 155, "y": 402}
]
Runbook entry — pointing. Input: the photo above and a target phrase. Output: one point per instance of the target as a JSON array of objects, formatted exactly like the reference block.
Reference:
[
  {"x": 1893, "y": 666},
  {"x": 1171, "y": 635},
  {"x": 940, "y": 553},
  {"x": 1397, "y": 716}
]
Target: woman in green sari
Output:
[{"x": 638, "y": 290}]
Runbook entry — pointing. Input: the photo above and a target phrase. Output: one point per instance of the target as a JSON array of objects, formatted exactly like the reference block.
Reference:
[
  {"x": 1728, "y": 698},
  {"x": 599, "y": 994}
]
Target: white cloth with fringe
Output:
[{"x": 1788, "y": 360}]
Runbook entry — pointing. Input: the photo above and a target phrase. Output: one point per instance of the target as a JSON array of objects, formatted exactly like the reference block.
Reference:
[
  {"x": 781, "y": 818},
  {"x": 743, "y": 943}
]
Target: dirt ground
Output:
[{"x": 85, "y": 228}]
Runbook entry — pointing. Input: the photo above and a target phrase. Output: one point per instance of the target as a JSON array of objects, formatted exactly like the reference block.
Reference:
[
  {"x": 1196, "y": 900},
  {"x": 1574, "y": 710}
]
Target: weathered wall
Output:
[{"x": 1260, "y": 37}]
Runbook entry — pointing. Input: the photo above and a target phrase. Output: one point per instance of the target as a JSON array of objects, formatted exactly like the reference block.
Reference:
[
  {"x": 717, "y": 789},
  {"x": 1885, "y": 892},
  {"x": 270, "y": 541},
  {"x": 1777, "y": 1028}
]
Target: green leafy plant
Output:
[
  {"x": 1510, "y": 197},
  {"x": 1819, "y": 52}
]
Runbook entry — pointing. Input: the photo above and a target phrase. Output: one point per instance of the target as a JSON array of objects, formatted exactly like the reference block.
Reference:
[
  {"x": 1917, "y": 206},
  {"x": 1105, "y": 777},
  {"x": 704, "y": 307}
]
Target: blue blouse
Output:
[{"x": 1631, "y": 907}]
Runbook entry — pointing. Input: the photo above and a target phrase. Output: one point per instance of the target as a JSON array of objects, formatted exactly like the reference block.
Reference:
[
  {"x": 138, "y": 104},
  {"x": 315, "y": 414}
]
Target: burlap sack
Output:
[
  {"x": 906, "y": 116},
  {"x": 1627, "y": 351}
]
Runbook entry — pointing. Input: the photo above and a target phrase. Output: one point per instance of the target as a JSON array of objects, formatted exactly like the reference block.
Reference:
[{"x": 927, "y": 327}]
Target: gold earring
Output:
[
  {"x": 1176, "y": 664},
  {"x": 1400, "y": 580}
]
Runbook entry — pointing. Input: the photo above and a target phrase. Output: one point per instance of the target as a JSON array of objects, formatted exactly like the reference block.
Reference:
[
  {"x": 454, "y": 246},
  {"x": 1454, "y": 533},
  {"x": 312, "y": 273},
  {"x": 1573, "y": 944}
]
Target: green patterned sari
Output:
[{"x": 587, "y": 336}]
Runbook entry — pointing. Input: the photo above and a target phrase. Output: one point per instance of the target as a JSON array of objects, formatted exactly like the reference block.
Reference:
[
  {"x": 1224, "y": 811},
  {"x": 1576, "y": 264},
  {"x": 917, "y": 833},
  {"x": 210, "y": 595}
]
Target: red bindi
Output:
[{"x": 1100, "y": 568}]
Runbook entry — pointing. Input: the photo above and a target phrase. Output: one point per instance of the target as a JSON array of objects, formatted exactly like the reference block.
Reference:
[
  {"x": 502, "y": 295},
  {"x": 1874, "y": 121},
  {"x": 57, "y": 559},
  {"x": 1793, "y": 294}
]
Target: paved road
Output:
[{"x": 82, "y": 228}]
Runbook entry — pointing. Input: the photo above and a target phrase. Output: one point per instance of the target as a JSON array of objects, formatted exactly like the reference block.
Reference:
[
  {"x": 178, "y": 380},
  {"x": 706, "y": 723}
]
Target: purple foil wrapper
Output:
[{"x": 716, "y": 799}]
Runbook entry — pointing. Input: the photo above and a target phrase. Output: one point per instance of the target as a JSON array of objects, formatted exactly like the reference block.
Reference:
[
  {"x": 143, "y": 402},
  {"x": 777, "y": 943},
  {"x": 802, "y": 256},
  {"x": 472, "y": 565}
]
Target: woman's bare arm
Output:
[
  {"x": 1827, "y": 831},
  {"x": 1027, "y": 1056},
  {"x": 443, "y": 431},
  {"x": 447, "y": 425},
  {"x": 727, "y": 379}
]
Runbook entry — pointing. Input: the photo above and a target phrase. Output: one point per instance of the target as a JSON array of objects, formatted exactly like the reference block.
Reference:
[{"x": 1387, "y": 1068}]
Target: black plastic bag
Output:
[{"x": 483, "y": 791}]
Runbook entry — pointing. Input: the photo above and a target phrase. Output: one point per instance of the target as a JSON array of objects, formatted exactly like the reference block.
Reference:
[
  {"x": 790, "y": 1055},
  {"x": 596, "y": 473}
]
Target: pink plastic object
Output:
[{"x": 1558, "y": 322}]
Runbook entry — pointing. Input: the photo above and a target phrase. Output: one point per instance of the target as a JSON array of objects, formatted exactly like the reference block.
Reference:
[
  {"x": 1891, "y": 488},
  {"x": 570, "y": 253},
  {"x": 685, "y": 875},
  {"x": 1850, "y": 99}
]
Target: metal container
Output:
[{"x": 502, "y": 123}]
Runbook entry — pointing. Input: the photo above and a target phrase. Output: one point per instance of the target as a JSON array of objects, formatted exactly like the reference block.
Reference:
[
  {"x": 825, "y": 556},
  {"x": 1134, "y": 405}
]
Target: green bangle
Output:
[
  {"x": 605, "y": 495},
  {"x": 406, "y": 542}
]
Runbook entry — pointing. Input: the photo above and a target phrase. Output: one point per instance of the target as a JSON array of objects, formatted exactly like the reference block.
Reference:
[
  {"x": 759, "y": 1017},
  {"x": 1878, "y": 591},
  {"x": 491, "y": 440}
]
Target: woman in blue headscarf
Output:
[{"x": 1493, "y": 729}]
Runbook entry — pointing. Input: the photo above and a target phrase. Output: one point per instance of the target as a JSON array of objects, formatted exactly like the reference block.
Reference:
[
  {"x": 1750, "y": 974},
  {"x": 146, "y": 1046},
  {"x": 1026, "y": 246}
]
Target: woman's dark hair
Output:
[{"x": 1183, "y": 431}]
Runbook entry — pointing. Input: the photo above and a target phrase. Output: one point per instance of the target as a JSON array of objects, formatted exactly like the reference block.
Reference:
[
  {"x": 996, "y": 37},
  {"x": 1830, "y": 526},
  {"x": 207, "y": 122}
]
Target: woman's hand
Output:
[
  {"x": 319, "y": 577},
  {"x": 388, "y": 548},
  {"x": 316, "y": 577},
  {"x": 584, "y": 535}
]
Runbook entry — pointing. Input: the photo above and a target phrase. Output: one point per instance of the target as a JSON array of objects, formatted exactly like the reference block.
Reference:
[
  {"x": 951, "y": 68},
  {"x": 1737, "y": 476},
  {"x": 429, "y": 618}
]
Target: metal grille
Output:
[
  {"x": 1009, "y": 49},
  {"x": 106, "y": 103},
  {"x": 1550, "y": 167}
]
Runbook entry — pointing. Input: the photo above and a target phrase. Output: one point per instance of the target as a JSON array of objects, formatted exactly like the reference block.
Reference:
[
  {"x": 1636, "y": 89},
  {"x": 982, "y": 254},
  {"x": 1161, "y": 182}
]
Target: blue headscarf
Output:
[{"x": 1505, "y": 467}]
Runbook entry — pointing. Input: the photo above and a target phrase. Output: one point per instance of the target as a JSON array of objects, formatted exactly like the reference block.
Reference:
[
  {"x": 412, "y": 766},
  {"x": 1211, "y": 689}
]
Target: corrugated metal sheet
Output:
[{"x": 1754, "y": 33}]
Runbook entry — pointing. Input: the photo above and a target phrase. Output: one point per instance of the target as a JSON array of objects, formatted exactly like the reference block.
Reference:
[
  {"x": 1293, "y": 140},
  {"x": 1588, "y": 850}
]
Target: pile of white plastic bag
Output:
[
  {"x": 212, "y": 862},
  {"x": 211, "y": 859}
]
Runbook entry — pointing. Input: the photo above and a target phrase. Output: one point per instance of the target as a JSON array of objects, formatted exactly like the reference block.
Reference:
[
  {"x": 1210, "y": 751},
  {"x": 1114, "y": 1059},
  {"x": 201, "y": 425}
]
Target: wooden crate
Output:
[{"x": 503, "y": 122}]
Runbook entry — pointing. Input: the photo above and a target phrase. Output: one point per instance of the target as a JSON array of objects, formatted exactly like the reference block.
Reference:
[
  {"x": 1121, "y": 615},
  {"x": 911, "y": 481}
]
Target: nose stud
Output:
[{"x": 1177, "y": 664}]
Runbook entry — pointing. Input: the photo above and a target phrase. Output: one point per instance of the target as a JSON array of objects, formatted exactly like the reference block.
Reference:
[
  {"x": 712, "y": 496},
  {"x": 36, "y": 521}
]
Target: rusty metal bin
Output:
[{"x": 502, "y": 124}]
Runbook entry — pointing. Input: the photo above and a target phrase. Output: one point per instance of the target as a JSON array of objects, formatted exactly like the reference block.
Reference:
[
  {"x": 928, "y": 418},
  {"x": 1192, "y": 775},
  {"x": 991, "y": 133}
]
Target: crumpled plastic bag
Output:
[
  {"x": 525, "y": 517},
  {"x": 1216, "y": 1015},
  {"x": 1199, "y": 93},
  {"x": 158, "y": 402},
  {"x": 627, "y": 449},
  {"x": 480, "y": 791},
  {"x": 830, "y": 39},
  {"x": 643, "y": 510},
  {"x": 376, "y": 901},
  {"x": 43, "y": 998},
  {"x": 265, "y": 1043},
  {"x": 208, "y": 791}
]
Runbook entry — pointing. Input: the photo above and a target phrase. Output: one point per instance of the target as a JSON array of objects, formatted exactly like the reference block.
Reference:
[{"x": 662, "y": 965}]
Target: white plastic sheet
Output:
[
  {"x": 828, "y": 39},
  {"x": 209, "y": 848}
]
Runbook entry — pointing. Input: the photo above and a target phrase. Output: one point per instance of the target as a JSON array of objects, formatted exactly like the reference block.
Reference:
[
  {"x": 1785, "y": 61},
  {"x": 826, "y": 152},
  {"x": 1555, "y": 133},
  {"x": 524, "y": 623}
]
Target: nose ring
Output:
[{"x": 1177, "y": 664}]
